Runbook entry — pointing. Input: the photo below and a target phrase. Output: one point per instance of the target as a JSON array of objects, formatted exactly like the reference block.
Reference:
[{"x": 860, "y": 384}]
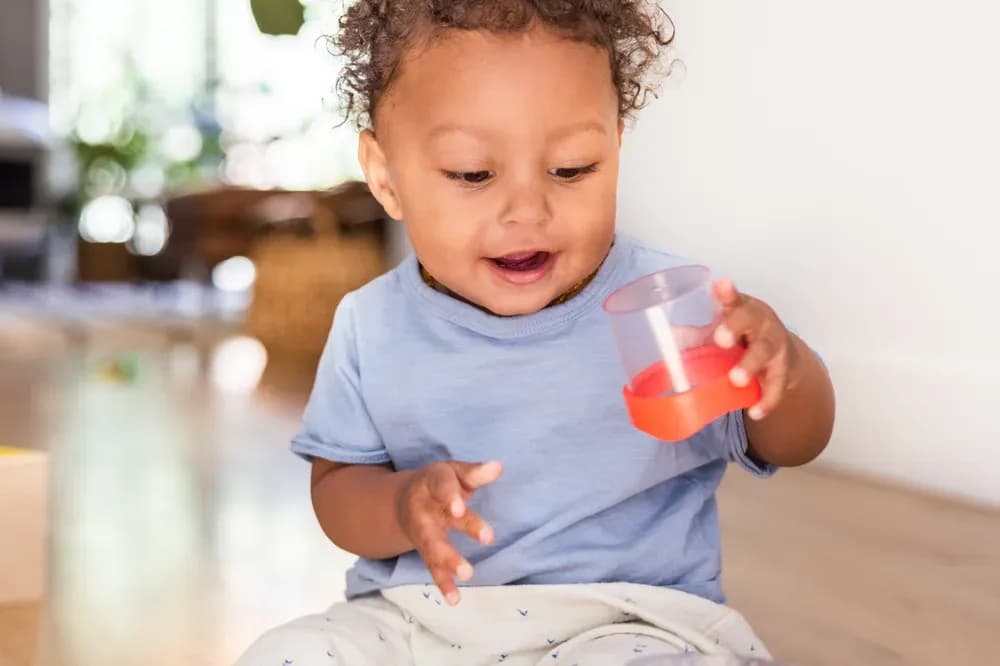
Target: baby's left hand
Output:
[{"x": 771, "y": 354}]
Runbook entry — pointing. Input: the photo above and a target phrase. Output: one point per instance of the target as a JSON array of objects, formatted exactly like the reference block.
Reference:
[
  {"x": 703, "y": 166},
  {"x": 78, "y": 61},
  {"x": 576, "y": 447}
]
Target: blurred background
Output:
[{"x": 180, "y": 214}]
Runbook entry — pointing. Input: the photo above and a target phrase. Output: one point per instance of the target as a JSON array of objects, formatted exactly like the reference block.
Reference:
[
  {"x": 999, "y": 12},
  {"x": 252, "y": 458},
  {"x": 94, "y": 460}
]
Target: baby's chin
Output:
[{"x": 516, "y": 305}]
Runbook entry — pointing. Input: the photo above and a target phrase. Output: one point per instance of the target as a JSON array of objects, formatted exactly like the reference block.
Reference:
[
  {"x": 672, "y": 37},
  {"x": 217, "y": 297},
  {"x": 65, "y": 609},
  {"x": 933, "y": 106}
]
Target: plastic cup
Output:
[{"x": 664, "y": 324}]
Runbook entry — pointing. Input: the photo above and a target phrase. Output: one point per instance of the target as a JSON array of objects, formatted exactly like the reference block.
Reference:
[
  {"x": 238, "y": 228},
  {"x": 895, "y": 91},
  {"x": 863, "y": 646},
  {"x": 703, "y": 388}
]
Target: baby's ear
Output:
[{"x": 373, "y": 163}]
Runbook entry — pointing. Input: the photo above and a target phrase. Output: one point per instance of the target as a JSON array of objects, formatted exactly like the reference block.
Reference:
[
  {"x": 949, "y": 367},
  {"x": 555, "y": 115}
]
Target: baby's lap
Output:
[
  {"x": 373, "y": 631},
  {"x": 304, "y": 643}
]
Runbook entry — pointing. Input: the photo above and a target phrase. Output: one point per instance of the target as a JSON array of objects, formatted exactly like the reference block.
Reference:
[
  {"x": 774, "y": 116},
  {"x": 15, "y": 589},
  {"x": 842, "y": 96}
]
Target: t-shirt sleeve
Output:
[
  {"x": 736, "y": 436},
  {"x": 336, "y": 425}
]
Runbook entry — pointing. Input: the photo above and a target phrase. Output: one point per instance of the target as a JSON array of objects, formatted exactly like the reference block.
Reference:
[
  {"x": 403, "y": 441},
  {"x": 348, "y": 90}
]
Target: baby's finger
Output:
[
  {"x": 772, "y": 390},
  {"x": 472, "y": 525},
  {"x": 446, "y": 489},
  {"x": 727, "y": 294},
  {"x": 758, "y": 355},
  {"x": 445, "y": 563},
  {"x": 735, "y": 324},
  {"x": 437, "y": 551},
  {"x": 476, "y": 475},
  {"x": 445, "y": 583}
]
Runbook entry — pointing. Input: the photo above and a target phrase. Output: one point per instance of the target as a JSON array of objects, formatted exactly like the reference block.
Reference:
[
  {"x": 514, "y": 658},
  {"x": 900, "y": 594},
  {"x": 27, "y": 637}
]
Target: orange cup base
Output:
[{"x": 674, "y": 417}]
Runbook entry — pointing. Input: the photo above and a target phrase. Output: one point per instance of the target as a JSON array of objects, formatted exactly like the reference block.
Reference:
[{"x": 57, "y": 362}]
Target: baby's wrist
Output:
[
  {"x": 798, "y": 353},
  {"x": 404, "y": 484}
]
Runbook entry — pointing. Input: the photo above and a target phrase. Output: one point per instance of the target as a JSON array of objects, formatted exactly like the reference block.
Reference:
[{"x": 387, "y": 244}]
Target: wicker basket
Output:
[{"x": 301, "y": 277}]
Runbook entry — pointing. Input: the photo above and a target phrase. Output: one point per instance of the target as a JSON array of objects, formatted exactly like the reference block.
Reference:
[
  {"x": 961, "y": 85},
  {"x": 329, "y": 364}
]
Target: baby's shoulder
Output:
[{"x": 382, "y": 295}]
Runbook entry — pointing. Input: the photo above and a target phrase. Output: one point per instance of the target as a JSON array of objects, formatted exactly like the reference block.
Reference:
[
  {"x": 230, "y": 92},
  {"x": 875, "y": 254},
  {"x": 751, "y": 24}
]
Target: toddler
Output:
[{"x": 467, "y": 434}]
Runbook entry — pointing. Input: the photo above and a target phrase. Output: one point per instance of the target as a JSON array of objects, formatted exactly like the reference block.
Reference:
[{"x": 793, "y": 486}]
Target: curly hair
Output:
[{"x": 375, "y": 35}]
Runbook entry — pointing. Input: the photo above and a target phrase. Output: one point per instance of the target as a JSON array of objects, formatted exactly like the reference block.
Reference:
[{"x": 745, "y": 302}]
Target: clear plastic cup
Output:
[{"x": 664, "y": 325}]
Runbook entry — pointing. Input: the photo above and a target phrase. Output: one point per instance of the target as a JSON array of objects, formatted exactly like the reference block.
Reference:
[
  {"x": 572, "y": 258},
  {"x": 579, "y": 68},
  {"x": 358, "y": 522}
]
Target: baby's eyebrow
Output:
[
  {"x": 483, "y": 132},
  {"x": 580, "y": 128},
  {"x": 452, "y": 128}
]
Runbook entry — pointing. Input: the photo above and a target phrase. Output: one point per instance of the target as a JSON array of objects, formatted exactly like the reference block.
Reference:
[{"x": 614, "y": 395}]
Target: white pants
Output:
[{"x": 597, "y": 625}]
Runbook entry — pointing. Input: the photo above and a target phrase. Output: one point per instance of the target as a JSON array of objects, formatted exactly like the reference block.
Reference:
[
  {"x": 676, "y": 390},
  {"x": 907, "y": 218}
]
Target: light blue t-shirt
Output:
[{"x": 411, "y": 376}]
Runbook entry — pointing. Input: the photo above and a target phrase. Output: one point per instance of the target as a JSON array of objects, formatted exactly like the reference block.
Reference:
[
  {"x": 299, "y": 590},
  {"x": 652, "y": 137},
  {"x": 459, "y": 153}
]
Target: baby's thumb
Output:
[
  {"x": 725, "y": 291},
  {"x": 476, "y": 475}
]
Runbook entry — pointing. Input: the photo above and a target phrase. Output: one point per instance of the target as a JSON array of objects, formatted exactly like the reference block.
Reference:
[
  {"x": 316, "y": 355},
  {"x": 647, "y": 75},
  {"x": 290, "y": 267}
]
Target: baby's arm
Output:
[
  {"x": 793, "y": 421},
  {"x": 798, "y": 428},
  {"x": 356, "y": 507},
  {"x": 378, "y": 513}
]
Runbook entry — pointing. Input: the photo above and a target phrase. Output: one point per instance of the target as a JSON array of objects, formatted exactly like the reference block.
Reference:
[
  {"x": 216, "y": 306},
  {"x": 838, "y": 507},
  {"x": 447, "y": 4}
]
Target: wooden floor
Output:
[
  {"x": 832, "y": 570},
  {"x": 182, "y": 528}
]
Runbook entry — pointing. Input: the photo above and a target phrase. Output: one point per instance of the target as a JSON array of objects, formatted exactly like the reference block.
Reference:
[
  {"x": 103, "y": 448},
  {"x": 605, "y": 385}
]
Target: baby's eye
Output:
[
  {"x": 470, "y": 177},
  {"x": 572, "y": 173}
]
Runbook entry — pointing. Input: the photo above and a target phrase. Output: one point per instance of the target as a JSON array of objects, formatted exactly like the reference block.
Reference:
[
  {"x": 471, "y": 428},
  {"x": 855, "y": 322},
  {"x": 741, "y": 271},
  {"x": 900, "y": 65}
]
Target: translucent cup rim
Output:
[{"x": 612, "y": 308}]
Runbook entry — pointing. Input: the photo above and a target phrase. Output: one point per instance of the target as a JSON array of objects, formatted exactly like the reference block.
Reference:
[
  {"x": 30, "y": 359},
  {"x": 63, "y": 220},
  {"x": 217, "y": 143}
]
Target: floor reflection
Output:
[{"x": 181, "y": 524}]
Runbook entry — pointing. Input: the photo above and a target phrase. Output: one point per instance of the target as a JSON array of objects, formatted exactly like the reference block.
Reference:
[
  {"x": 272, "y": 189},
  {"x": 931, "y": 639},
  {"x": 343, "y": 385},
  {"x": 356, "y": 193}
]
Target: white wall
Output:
[{"x": 842, "y": 161}]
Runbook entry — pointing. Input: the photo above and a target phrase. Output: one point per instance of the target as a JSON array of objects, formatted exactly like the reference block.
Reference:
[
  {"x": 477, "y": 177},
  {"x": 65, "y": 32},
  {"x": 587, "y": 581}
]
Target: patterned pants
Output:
[{"x": 583, "y": 625}]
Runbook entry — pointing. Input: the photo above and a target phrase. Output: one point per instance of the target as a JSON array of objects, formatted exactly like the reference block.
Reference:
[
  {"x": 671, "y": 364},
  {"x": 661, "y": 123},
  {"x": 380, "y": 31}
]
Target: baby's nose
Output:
[{"x": 527, "y": 203}]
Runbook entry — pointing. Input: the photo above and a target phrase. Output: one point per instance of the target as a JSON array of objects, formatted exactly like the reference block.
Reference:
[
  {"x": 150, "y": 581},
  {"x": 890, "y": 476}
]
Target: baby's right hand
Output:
[{"x": 433, "y": 502}]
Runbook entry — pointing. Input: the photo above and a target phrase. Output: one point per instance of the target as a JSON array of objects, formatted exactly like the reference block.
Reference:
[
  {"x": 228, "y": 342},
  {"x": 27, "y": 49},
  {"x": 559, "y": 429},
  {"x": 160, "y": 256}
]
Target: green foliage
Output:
[{"x": 278, "y": 17}]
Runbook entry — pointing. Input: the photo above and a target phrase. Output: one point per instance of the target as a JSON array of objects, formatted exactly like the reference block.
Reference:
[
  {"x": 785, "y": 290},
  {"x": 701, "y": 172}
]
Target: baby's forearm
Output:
[
  {"x": 800, "y": 428},
  {"x": 356, "y": 507}
]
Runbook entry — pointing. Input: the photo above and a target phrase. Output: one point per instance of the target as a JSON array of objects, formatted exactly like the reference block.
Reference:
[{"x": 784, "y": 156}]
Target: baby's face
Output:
[{"x": 501, "y": 155}]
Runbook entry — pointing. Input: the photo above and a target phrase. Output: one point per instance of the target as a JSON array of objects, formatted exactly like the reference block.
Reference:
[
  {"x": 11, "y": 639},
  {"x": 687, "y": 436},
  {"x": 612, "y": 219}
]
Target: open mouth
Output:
[
  {"x": 522, "y": 262},
  {"x": 523, "y": 268}
]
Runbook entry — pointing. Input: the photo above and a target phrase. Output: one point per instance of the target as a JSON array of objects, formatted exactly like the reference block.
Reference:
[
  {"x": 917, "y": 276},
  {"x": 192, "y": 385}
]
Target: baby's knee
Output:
[
  {"x": 291, "y": 645},
  {"x": 363, "y": 633},
  {"x": 615, "y": 649}
]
